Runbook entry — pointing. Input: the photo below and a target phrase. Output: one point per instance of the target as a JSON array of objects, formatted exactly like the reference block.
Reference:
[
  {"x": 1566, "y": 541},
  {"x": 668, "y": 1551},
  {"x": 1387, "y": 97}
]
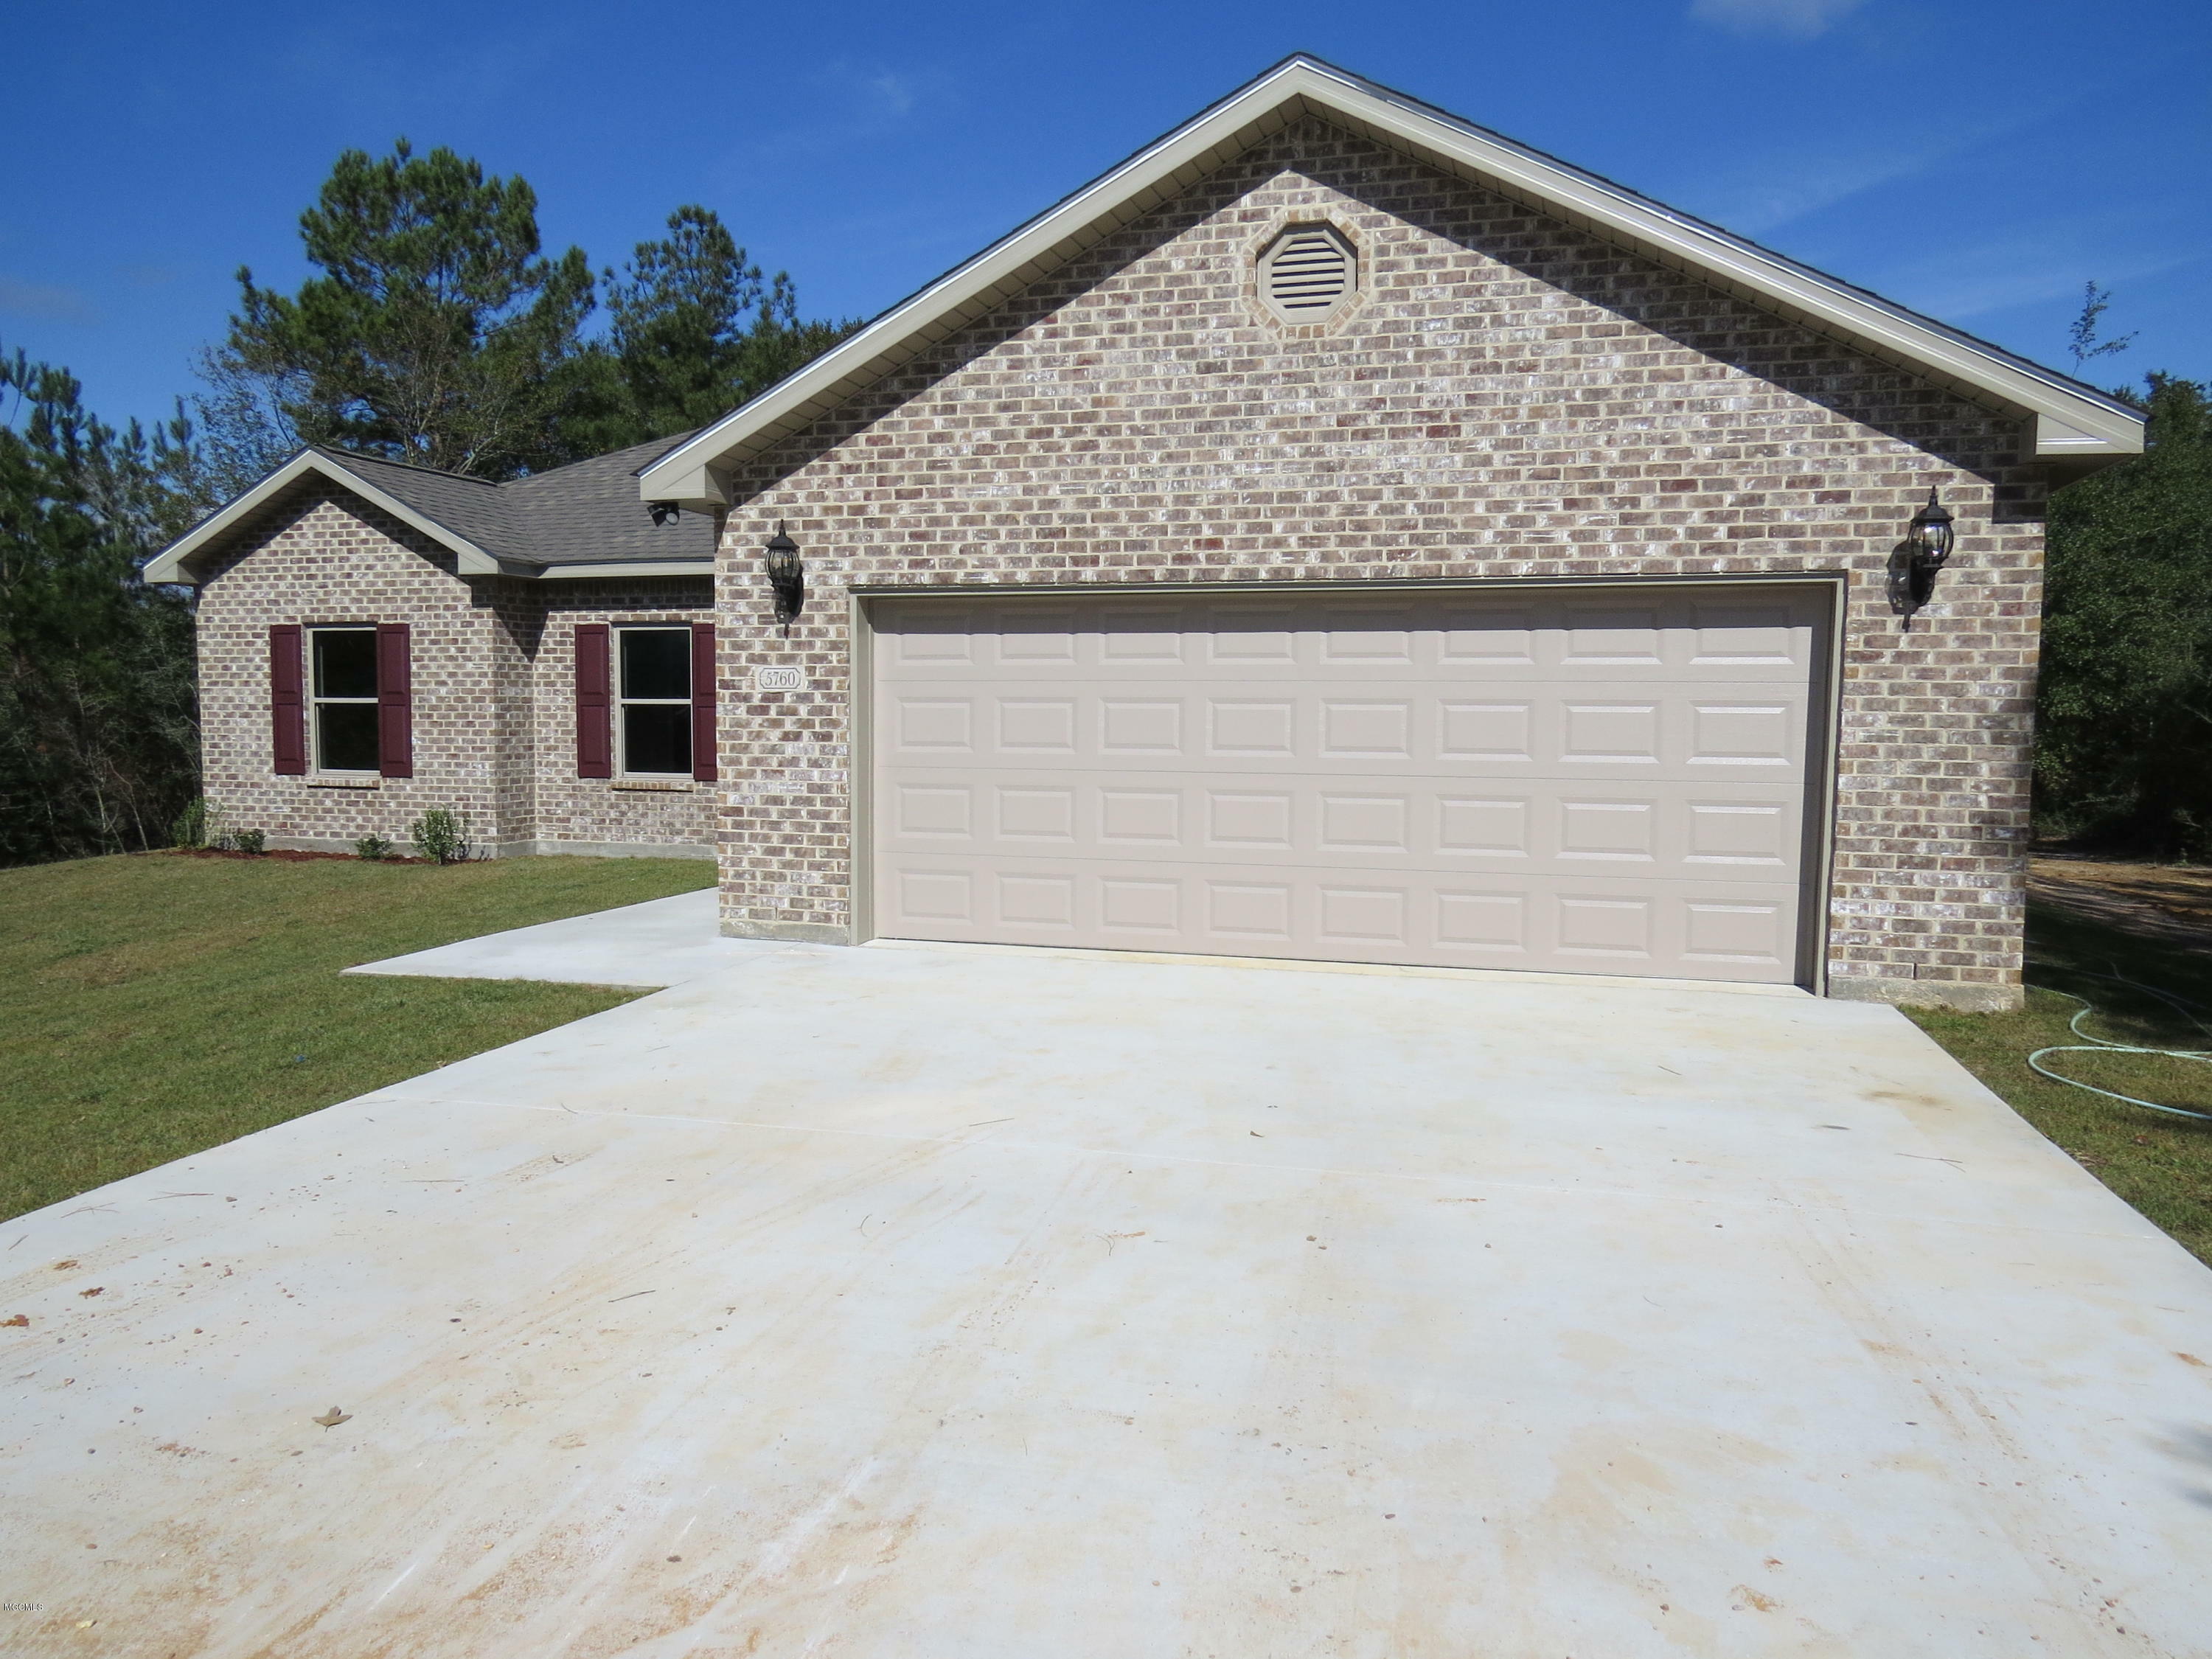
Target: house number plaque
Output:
[{"x": 777, "y": 679}]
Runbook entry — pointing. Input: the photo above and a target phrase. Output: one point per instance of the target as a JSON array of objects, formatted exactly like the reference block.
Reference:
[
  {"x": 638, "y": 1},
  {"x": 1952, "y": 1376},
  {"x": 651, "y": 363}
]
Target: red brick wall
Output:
[
  {"x": 494, "y": 688},
  {"x": 1510, "y": 396}
]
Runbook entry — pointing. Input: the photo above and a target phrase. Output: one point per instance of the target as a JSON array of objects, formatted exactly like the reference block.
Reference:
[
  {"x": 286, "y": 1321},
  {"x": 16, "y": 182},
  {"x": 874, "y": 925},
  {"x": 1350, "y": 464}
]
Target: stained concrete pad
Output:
[{"x": 966, "y": 1303}]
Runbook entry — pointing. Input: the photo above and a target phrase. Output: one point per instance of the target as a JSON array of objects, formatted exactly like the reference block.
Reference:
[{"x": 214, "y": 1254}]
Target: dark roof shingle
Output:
[{"x": 587, "y": 512}]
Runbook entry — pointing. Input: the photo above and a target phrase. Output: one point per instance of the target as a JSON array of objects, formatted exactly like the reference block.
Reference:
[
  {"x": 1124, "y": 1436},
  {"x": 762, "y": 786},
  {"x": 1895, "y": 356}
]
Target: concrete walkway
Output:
[
  {"x": 668, "y": 941},
  {"x": 1010, "y": 1306}
]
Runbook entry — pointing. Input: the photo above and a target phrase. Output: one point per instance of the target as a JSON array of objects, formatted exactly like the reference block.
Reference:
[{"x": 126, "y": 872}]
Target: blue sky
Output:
[{"x": 1976, "y": 159}]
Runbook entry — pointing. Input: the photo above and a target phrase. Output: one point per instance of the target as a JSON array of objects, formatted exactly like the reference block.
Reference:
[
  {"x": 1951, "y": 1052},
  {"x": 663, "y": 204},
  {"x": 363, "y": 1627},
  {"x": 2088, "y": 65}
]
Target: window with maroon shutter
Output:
[
  {"x": 654, "y": 687},
  {"x": 395, "y": 702},
  {"x": 702, "y": 702},
  {"x": 288, "y": 703},
  {"x": 595, "y": 755},
  {"x": 344, "y": 716}
]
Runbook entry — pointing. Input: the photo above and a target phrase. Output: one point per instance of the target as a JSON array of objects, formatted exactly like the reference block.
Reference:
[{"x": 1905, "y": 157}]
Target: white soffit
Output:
[
  {"x": 168, "y": 565},
  {"x": 2073, "y": 423},
  {"x": 617, "y": 567}
]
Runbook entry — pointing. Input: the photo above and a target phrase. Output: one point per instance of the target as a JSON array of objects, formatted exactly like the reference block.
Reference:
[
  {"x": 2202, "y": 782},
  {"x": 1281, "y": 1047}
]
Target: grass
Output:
[
  {"x": 157, "y": 1005},
  {"x": 2162, "y": 1165}
]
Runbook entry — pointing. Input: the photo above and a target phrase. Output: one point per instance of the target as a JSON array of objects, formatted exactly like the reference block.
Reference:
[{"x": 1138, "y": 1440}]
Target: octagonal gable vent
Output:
[{"x": 1306, "y": 272}]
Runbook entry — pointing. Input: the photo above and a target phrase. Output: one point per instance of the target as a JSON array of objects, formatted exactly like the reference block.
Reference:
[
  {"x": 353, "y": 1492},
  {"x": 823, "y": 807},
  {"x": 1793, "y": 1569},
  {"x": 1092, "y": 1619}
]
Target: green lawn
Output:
[
  {"x": 2162, "y": 1165},
  {"x": 158, "y": 1004}
]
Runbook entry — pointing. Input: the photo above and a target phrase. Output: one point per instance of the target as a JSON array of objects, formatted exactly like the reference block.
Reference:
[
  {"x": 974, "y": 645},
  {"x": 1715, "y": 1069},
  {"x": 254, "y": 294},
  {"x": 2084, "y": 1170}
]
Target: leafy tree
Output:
[
  {"x": 98, "y": 737},
  {"x": 2124, "y": 745},
  {"x": 436, "y": 333},
  {"x": 695, "y": 331},
  {"x": 2081, "y": 341}
]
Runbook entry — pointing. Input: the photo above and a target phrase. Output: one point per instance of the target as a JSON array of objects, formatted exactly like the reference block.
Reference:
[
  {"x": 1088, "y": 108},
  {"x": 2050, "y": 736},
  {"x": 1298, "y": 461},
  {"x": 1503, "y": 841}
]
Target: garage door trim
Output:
[{"x": 1824, "y": 699}]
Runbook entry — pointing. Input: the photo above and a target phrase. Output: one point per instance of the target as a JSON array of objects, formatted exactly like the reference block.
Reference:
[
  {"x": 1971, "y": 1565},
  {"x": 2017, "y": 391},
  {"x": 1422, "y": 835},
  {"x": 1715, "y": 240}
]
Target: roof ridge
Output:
[{"x": 345, "y": 455}]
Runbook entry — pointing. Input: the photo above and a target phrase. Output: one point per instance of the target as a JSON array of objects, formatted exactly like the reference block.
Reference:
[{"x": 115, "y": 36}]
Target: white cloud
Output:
[
  {"x": 1762, "y": 191},
  {"x": 46, "y": 302},
  {"x": 2039, "y": 261},
  {"x": 895, "y": 91},
  {"x": 1997, "y": 276},
  {"x": 1798, "y": 19}
]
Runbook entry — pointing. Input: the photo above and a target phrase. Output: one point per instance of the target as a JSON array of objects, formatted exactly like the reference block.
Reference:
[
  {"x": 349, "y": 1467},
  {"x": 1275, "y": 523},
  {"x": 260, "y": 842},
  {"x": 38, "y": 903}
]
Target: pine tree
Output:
[
  {"x": 99, "y": 745},
  {"x": 2124, "y": 741},
  {"x": 695, "y": 331},
  {"x": 436, "y": 333}
]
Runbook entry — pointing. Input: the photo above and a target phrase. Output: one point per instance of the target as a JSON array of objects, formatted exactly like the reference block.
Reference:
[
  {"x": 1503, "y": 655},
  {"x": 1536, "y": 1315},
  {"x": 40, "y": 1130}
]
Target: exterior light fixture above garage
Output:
[{"x": 1912, "y": 566}]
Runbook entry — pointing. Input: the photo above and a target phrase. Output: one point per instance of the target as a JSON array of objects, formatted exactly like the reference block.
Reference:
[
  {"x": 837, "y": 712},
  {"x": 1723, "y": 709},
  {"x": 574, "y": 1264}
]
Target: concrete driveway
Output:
[{"x": 960, "y": 1303}]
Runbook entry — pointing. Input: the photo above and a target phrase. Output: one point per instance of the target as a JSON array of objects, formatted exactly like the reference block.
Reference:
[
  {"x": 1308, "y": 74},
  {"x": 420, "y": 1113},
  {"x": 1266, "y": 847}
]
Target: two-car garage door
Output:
[{"x": 1608, "y": 781}]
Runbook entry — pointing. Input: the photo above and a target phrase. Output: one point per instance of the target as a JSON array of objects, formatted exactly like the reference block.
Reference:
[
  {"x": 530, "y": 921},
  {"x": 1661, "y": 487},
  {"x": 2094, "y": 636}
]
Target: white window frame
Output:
[
  {"x": 315, "y": 700},
  {"x": 622, "y": 704}
]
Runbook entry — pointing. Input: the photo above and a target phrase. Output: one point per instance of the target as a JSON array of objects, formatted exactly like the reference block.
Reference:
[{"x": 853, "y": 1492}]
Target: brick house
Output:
[
  {"x": 1338, "y": 532},
  {"x": 376, "y": 640}
]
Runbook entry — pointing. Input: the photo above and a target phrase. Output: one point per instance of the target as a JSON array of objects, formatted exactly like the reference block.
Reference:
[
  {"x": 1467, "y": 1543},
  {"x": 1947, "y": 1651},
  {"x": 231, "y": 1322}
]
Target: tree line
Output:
[{"x": 435, "y": 329}]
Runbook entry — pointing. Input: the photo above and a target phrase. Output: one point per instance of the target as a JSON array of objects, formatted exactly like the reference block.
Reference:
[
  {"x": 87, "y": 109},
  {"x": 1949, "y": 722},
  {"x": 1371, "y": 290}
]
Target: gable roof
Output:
[
  {"x": 580, "y": 520},
  {"x": 2075, "y": 426}
]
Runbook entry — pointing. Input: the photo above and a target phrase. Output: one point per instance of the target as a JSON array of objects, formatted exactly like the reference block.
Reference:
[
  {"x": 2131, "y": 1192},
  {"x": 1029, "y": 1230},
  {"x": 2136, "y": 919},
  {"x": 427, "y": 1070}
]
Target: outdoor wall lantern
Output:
[
  {"x": 787, "y": 576},
  {"x": 1913, "y": 566}
]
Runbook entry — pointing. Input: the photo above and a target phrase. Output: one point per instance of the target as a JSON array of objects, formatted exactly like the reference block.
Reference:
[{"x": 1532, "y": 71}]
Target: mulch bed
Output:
[{"x": 286, "y": 855}]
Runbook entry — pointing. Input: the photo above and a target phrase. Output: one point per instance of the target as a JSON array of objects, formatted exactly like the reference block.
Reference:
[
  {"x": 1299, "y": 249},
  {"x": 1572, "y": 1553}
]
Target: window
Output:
[
  {"x": 654, "y": 695},
  {"x": 342, "y": 698}
]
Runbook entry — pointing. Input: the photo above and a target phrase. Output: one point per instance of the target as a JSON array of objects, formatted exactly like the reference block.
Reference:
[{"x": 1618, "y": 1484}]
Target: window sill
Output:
[
  {"x": 655, "y": 786},
  {"x": 342, "y": 780}
]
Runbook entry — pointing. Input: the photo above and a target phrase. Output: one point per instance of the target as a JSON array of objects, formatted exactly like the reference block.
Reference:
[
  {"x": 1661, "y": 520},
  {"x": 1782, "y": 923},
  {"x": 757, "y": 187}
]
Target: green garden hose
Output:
[{"x": 2092, "y": 1044}]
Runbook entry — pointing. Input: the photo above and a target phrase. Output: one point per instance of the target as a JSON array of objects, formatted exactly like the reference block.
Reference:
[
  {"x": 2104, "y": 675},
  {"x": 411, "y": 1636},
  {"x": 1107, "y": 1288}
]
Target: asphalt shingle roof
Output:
[{"x": 585, "y": 513}]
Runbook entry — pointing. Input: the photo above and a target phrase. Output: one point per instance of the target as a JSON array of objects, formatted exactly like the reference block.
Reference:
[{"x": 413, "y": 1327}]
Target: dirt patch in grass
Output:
[
  {"x": 2168, "y": 902},
  {"x": 159, "y": 1005}
]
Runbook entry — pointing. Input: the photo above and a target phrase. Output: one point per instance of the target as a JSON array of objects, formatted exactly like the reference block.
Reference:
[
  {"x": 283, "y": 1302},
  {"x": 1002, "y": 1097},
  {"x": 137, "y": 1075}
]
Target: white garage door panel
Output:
[
  {"x": 1587, "y": 925},
  {"x": 1573, "y": 782},
  {"x": 1352, "y": 821}
]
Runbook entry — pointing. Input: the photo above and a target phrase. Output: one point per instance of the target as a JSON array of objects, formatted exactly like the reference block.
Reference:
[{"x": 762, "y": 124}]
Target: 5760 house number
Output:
[{"x": 778, "y": 679}]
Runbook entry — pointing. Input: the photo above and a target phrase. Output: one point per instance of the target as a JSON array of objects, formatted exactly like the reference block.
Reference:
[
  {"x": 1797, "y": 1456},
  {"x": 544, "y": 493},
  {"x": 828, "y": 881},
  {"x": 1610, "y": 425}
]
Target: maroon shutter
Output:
[
  {"x": 704, "y": 751},
  {"x": 595, "y": 736},
  {"x": 395, "y": 702},
  {"x": 288, "y": 699}
]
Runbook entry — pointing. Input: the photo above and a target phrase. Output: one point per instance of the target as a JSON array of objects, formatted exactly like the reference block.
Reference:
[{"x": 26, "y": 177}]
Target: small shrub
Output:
[
  {"x": 439, "y": 836},
  {"x": 249, "y": 841},
  {"x": 372, "y": 848},
  {"x": 200, "y": 825}
]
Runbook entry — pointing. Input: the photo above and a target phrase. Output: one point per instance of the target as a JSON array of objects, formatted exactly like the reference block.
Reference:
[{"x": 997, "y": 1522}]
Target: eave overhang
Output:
[
  {"x": 170, "y": 564},
  {"x": 614, "y": 569},
  {"x": 2076, "y": 428}
]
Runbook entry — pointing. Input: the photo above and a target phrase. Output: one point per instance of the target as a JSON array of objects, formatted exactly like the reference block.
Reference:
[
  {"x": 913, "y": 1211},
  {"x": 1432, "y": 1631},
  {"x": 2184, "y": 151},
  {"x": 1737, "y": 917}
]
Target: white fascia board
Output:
[
  {"x": 2096, "y": 428},
  {"x": 700, "y": 488},
  {"x": 168, "y": 565},
  {"x": 616, "y": 568},
  {"x": 1087, "y": 217},
  {"x": 1892, "y": 331}
]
